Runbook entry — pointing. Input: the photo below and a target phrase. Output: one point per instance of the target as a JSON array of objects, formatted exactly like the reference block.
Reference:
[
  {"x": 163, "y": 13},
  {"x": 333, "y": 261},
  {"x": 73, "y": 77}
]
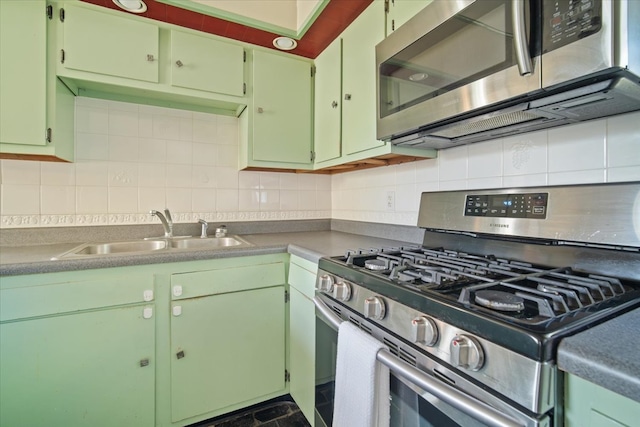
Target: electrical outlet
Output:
[{"x": 391, "y": 200}]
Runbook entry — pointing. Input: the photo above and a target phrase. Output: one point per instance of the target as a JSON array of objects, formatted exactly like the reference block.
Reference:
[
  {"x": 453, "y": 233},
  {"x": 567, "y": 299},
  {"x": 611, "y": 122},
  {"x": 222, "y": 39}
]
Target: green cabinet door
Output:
[
  {"x": 359, "y": 79},
  {"x": 589, "y": 405},
  {"x": 328, "y": 103},
  {"x": 107, "y": 44},
  {"x": 302, "y": 336},
  {"x": 203, "y": 63},
  {"x": 23, "y": 67},
  {"x": 226, "y": 349},
  {"x": 87, "y": 369},
  {"x": 282, "y": 116},
  {"x": 400, "y": 11}
]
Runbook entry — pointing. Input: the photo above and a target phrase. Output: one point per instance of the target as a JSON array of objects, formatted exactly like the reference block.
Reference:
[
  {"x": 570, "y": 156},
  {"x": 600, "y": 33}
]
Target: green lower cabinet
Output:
[
  {"x": 302, "y": 337},
  {"x": 589, "y": 405},
  {"x": 87, "y": 369},
  {"x": 226, "y": 349}
]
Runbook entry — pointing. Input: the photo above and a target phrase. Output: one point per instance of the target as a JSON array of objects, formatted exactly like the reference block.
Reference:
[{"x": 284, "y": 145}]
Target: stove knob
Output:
[
  {"x": 341, "y": 291},
  {"x": 374, "y": 308},
  {"x": 325, "y": 283},
  {"x": 424, "y": 331},
  {"x": 466, "y": 353}
]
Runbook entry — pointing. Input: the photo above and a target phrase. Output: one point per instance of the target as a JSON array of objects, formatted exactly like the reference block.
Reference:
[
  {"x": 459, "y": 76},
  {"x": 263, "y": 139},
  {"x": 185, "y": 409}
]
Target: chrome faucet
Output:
[
  {"x": 166, "y": 221},
  {"x": 205, "y": 225}
]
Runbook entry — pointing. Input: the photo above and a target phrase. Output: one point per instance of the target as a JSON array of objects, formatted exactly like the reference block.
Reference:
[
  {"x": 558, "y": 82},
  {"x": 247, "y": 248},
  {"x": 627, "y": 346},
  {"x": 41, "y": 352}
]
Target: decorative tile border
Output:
[{"x": 28, "y": 221}]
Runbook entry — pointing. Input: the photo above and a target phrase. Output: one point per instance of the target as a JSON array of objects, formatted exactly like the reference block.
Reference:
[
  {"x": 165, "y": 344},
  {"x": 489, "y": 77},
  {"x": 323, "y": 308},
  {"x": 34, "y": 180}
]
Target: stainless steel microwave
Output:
[{"x": 463, "y": 71}]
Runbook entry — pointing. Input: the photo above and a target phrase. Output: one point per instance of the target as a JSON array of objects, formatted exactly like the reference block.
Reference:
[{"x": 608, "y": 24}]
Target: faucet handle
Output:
[
  {"x": 167, "y": 214},
  {"x": 205, "y": 225},
  {"x": 221, "y": 231}
]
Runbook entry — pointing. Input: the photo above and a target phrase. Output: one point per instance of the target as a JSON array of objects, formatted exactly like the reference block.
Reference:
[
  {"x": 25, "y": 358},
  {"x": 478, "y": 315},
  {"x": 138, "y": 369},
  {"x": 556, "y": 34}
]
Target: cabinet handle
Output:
[
  {"x": 179, "y": 63},
  {"x": 260, "y": 110},
  {"x": 334, "y": 104},
  {"x": 347, "y": 97},
  {"x": 144, "y": 362},
  {"x": 151, "y": 58},
  {"x": 180, "y": 354}
]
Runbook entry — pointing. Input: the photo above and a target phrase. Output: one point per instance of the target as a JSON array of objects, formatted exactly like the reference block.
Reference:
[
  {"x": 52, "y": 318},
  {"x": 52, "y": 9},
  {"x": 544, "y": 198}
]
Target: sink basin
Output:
[
  {"x": 209, "y": 242},
  {"x": 149, "y": 246}
]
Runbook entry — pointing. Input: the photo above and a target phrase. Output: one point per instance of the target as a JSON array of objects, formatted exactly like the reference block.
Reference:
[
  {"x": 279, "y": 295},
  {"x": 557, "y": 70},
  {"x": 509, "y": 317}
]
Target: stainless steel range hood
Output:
[
  {"x": 453, "y": 74},
  {"x": 594, "y": 97}
]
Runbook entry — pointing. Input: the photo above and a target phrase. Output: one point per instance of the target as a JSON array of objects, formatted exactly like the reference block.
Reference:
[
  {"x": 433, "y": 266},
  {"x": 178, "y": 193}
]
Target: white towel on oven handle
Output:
[{"x": 362, "y": 383}]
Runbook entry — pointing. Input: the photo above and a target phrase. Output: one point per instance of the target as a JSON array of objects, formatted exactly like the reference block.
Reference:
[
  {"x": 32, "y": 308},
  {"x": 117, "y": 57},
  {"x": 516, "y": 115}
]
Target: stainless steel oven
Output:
[
  {"x": 468, "y": 70},
  {"x": 472, "y": 318}
]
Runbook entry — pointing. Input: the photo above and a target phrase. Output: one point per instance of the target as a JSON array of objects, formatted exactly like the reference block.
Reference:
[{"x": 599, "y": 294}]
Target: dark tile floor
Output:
[{"x": 279, "y": 412}]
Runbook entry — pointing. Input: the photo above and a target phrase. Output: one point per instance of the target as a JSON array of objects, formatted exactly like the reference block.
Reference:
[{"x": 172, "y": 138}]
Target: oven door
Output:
[
  {"x": 417, "y": 399},
  {"x": 456, "y": 57}
]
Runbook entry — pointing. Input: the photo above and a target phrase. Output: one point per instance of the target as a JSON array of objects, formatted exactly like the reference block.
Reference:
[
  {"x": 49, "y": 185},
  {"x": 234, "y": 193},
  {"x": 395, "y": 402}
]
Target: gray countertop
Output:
[
  {"x": 311, "y": 245},
  {"x": 606, "y": 355}
]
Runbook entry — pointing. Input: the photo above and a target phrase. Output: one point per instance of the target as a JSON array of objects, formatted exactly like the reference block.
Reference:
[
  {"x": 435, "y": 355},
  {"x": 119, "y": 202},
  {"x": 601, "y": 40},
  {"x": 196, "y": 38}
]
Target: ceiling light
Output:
[
  {"x": 418, "y": 77},
  {"x": 135, "y": 6},
  {"x": 284, "y": 43}
]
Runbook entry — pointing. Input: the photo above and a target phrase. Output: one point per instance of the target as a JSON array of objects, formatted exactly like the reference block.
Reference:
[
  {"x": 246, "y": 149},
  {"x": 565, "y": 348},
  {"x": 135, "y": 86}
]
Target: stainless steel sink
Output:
[
  {"x": 150, "y": 246},
  {"x": 209, "y": 242}
]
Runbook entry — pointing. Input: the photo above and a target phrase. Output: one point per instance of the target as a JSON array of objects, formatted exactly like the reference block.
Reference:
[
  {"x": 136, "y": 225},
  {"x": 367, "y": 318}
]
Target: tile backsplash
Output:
[
  {"x": 606, "y": 150},
  {"x": 133, "y": 158}
]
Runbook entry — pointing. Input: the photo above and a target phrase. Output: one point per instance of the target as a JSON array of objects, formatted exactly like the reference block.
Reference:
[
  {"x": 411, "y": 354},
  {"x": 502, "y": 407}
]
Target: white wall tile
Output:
[
  {"x": 227, "y": 155},
  {"x": 179, "y": 199},
  {"x": 249, "y": 180},
  {"x": 207, "y": 155},
  {"x": 186, "y": 128},
  {"x": 578, "y": 147},
  {"x": 289, "y": 200},
  {"x": 578, "y": 177},
  {"x": 152, "y": 150},
  {"x": 269, "y": 181},
  {"x": 203, "y": 200},
  {"x": 151, "y": 198},
  {"x": 123, "y": 174},
  {"x": 152, "y": 175},
  {"x": 92, "y": 200},
  {"x": 453, "y": 163},
  {"x": 428, "y": 170},
  {"x": 306, "y": 200},
  {"x": 92, "y": 120},
  {"x": 306, "y": 182},
  {"x": 289, "y": 181},
  {"x": 20, "y": 199},
  {"x": 485, "y": 160},
  {"x": 269, "y": 200},
  {"x": 630, "y": 173},
  {"x": 406, "y": 173},
  {"x": 123, "y": 200},
  {"x": 145, "y": 125},
  {"x": 623, "y": 141},
  {"x": 179, "y": 152},
  {"x": 227, "y": 178},
  {"x": 166, "y": 127},
  {"x": 227, "y": 200},
  {"x": 92, "y": 146},
  {"x": 20, "y": 172},
  {"x": 57, "y": 200},
  {"x": 179, "y": 176},
  {"x": 203, "y": 177},
  {"x": 205, "y": 129},
  {"x": 323, "y": 182},
  {"x": 124, "y": 123},
  {"x": 525, "y": 180},
  {"x": 323, "y": 200},
  {"x": 525, "y": 154},
  {"x": 92, "y": 174},
  {"x": 123, "y": 148},
  {"x": 249, "y": 200},
  {"x": 54, "y": 173}
]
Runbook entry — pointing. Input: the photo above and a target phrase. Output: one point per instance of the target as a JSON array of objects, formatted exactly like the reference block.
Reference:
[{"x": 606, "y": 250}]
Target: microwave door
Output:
[{"x": 467, "y": 61}]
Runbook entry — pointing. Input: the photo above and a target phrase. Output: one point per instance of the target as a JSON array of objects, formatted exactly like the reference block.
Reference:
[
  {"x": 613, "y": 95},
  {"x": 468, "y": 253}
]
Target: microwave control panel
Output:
[
  {"x": 567, "y": 21},
  {"x": 523, "y": 205}
]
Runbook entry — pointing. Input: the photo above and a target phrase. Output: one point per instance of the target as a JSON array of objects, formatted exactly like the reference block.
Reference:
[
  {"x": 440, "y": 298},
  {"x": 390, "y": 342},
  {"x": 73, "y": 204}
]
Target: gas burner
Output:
[
  {"x": 499, "y": 300},
  {"x": 375, "y": 264}
]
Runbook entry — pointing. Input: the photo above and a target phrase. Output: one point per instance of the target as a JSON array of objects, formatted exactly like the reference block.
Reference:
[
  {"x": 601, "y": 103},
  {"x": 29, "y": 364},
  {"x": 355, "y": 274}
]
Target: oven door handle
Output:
[{"x": 467, "y": 404}]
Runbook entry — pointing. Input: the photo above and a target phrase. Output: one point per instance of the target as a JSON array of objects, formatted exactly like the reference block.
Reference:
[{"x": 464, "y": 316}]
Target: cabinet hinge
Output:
[
  {"x": 313, "y": 70},
  {"x": 244, "y": 56},
  {"x": 393, "y": 25},
  {"x": 313, "y": 156},
  {"x": 386, "y": 6},
  {"x": 49, "y": 12},
  {"x": 47, "y": 135},
  {"x": 286, "y": 296},
  {"x": 62, "y": 14},
  {"x": 62, "y": 56},
  {"x": 287, "y": 376},
  {"x": 244, "y": 88}
]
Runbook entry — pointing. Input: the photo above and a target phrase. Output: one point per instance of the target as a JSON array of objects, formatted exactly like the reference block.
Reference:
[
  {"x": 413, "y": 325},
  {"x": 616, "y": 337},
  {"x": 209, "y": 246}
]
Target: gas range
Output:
[{"x": 501, "y": 277}]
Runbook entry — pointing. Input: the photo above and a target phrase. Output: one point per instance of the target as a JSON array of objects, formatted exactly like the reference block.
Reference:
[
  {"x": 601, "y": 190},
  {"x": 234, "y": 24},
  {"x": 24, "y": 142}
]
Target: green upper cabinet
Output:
[
  {"x": 400, "y": 11},
  {"x": 359, "y": 79},
  {"x": 203, "y": 63},
  {"x": 101, "y": 43},
  {"x": 278, "y": 123},
  {"x": 328, "y": 103},
  {"x": 36, "y": 109}
]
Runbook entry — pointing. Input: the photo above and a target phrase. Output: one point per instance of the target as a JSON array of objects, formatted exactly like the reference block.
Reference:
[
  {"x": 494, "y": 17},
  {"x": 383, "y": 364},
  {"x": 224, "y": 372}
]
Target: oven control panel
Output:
[{"x": 520, "y": 205}]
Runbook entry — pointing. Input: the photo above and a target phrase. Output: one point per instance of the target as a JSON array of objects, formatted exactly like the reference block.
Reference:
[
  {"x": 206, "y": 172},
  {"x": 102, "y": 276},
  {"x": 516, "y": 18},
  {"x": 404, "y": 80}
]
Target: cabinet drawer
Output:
[
  {"x": 302, "y": 279},
  {"x": 43, "y": 299},
  {"x": 220, "y": 281}
]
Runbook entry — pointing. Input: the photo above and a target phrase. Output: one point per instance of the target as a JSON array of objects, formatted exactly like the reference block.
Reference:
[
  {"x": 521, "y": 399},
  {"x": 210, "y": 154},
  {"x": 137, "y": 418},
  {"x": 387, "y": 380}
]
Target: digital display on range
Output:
[{"x": 522, "y": 205}]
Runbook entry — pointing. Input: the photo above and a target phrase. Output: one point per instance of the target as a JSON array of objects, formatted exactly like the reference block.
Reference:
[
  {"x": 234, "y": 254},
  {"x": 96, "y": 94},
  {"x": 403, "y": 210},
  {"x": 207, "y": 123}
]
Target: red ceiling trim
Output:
[{"x": 335, "y": 17}]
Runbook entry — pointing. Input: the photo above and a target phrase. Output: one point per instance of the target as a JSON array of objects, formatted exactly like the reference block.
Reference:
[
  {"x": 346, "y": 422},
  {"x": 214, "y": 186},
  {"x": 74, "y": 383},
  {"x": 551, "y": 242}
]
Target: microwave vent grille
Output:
[{"x": 503, "y": 120}]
